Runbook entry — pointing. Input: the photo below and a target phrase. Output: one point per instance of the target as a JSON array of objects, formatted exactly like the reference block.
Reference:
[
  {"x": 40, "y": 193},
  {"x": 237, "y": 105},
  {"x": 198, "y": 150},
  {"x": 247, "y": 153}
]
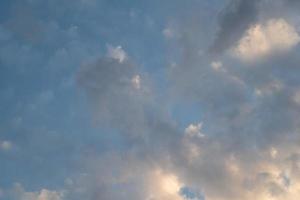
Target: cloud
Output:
[
  {"x": 136, "y": 82},
  {"x": 162, "y": 185},
  {"x": 244, "y": 153},
  {"x": 217, "y": 65},
  {"x": 251, "y": 114},
  {"x": 117, "y": 53},
  {"x": 115, "y": 90},
  {"x": 126, "y": 104},
  {"x": 18, "y": 193},
  {"x": 234, "y": 20},
  {"x": 263, "y": 39},
  {"x": 269, "y": 88},
  {"x": 194, "y": 130}
]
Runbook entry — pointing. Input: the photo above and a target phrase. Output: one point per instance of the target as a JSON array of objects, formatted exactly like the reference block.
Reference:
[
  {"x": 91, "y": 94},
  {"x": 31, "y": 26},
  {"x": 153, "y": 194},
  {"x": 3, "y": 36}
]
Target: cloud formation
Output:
[
  {"x": 234, "y": 20},
  {"x": 262, "y": 40},
  {"x": 243, "y": 151},
  {"x": 156, "y": 117},
  {"x": 19, "y": 193}
]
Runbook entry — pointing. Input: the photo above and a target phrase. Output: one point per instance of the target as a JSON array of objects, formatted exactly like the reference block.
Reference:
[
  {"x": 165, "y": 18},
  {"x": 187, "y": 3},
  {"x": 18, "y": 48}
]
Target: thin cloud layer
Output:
[{"x": 19, "y": 193}]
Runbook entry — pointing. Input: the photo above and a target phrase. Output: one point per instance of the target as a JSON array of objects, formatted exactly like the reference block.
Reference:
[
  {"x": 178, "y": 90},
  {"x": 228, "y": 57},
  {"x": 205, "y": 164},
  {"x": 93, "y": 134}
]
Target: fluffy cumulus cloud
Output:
[
  {"x": 263, "y": 39},
  {"x": 186, "y": 105}
]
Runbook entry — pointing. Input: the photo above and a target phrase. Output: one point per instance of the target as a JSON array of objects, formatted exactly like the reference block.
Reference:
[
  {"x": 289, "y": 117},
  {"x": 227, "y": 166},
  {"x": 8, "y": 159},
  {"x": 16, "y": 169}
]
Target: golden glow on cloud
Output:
[
  {"x": 262, "y": 39},
  {"x": 163, "y": 186}
]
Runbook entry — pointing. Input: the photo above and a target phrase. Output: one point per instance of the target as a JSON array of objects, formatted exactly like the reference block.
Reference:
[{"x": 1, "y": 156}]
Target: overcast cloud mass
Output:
[{"x": 150, "y": 100}]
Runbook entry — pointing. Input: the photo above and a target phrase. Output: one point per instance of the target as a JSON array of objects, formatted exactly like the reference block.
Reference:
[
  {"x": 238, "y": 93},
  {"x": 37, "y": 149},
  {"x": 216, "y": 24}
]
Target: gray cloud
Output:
[{"x": 234, "y": 20}]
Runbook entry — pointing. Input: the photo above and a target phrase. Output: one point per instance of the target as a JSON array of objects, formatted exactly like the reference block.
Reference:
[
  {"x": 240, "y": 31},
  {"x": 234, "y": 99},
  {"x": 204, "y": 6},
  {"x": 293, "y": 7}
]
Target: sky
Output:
[{"x": 149, "y": 100}]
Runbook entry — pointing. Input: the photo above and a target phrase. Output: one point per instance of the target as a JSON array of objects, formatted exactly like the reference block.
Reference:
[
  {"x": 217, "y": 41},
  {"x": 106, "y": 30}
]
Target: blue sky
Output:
[{"x": 149, "y": 100}]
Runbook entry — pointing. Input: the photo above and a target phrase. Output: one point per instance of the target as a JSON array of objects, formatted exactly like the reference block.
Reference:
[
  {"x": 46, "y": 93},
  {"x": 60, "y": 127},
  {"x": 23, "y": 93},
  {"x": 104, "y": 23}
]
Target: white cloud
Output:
[
  {"x": 162, "y": 185},
  {"x": 194, "y": 130},
  {"x": 116, "y": 53},
  {"x": 262, "y": 39}
]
